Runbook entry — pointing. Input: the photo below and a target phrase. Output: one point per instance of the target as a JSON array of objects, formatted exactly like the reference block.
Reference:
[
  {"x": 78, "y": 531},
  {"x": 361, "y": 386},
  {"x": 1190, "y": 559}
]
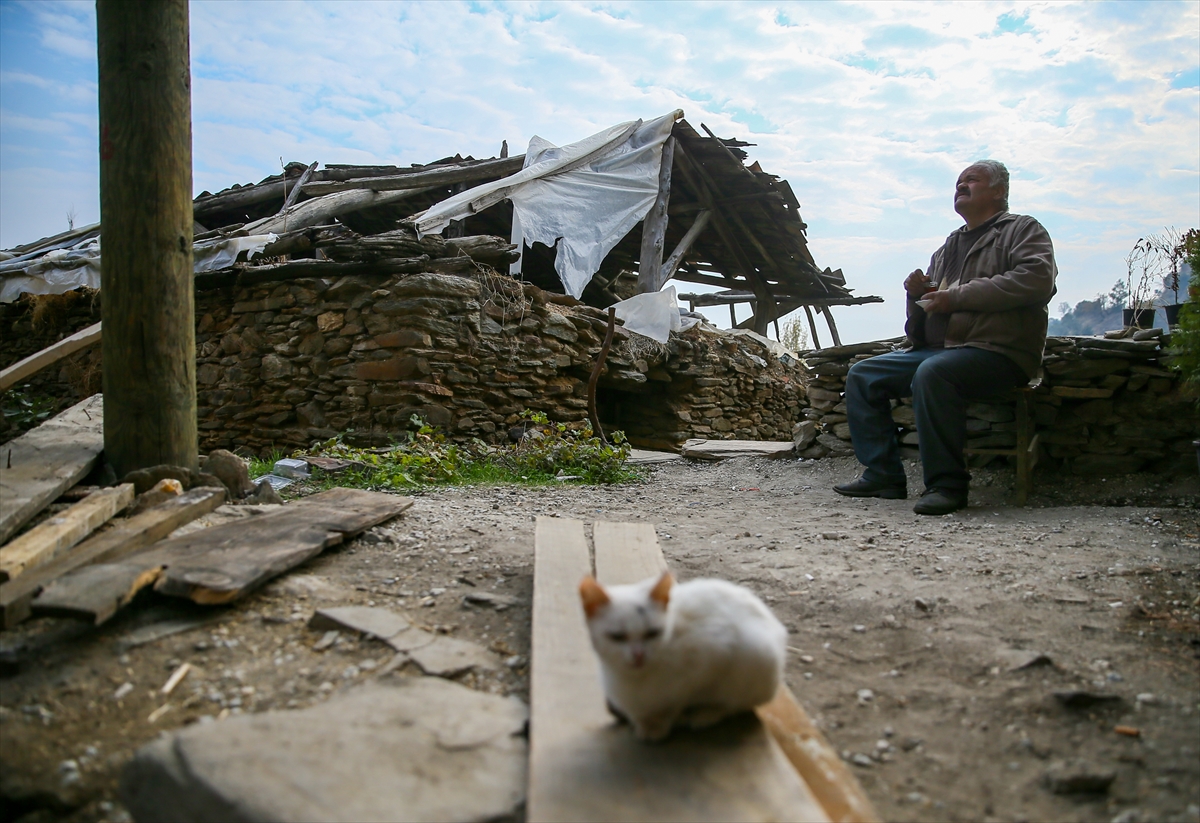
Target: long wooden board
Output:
[
  {"x": 41, "y": 464},
  {"x": 123, "y": 538},
  {"x": 223, "y": 563},
  {"x": 48, "y": 356},
  {"x": 628, "y": 552},
  {"x": 56, "y": 534},
  {"x": 586, "y": 767}
]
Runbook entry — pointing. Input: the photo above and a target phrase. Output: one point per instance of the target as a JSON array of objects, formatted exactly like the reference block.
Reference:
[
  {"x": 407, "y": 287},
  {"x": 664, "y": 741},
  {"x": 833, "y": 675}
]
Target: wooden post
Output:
[
  {"x": 149, "y": 350},
  {"x": 654, "y": 226},
  {"x": 685, "y": 244},
  {"x": 837, "y": 340},
  {"x": 816, "y": 341}
]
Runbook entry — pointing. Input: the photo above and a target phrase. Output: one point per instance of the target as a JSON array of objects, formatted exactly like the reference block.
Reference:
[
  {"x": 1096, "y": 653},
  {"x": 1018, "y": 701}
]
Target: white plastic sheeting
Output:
[
  {"x": 62, "y": 270},
  {"x": 654, "y": 314},
  {"x": 584, "y": 197}
]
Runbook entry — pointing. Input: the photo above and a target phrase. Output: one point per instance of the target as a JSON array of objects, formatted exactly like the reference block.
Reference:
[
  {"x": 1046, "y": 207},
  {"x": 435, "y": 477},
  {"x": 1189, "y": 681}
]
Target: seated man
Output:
[{"x": 978, "y": 329}]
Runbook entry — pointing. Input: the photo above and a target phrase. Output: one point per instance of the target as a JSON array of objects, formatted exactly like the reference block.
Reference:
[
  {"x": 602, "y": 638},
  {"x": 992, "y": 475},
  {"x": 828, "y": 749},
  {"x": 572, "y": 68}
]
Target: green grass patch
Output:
[{"x": 550, "y": 453}]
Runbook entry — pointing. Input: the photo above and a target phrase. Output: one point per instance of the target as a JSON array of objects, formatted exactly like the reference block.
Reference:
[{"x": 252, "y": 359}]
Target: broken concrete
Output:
[{"x": 425, "y": 749}]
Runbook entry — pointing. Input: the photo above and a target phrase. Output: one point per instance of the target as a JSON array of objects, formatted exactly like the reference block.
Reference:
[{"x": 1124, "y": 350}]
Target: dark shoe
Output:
[
  {"x": 868, "y": 488},
  {"x": 936, "y": 501}
]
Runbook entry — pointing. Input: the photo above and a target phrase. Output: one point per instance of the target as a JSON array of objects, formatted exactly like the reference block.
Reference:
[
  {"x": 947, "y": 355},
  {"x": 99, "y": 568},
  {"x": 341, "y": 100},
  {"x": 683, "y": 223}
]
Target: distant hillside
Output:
[{"x": 1102, "y": 314}]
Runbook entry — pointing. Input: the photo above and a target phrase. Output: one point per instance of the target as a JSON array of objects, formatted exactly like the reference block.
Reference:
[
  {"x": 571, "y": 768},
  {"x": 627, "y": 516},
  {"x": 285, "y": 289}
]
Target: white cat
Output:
[{"x": 691, "y": 653}]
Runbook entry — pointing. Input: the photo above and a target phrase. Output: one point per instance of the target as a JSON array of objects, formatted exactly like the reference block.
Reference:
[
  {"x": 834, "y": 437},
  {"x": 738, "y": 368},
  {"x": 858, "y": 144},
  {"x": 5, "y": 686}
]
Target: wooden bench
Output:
[
  {"x": 583, "y": 766},
  {"x": 1026, "y": 447}
]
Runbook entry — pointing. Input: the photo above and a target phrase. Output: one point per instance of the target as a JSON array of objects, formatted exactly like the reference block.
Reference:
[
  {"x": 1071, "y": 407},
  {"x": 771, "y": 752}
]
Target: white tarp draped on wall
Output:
[
  {"x": 61, "y": 270},
  {"x": 584, "y": 197}
]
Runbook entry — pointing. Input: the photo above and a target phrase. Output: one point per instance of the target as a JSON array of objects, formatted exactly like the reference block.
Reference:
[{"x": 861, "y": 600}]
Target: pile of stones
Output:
[{"x": 1102, "y": 406}]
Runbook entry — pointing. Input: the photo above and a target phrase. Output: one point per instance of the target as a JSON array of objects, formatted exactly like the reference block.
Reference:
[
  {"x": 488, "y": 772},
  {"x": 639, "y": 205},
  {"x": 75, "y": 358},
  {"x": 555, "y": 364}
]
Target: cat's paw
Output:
[
  {"x": 700, "y": 717},
  {"x": 654, "y": 729}
]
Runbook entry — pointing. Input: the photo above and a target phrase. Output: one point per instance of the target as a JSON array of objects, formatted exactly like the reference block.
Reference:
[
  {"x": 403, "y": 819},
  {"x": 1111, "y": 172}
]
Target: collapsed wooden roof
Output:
[{"x": 725, "y": 224}]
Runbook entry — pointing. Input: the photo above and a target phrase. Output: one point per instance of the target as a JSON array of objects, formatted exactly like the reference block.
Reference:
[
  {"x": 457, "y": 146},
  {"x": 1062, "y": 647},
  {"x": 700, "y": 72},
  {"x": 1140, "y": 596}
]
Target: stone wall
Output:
[
  {"x": 282, "y": 365},
  {"x": 1104, "y": 407}
]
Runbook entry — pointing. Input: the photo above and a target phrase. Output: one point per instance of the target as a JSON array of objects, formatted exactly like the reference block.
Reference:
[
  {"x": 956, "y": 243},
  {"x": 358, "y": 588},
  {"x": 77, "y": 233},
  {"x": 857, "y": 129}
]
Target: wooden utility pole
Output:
[{"x": 149, "y": 350}]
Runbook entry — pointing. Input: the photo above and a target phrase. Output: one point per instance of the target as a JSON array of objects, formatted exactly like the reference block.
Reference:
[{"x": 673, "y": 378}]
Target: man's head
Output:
[{"x": 981, "y": 192}]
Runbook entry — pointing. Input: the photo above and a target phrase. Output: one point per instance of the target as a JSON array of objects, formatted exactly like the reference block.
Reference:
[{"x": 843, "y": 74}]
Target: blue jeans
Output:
[{"x": 941, "y": 382}]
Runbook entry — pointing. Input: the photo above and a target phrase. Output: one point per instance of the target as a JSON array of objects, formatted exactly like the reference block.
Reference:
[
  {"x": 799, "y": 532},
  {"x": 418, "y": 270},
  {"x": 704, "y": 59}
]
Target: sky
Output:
[{"x": 870, "y": 110}]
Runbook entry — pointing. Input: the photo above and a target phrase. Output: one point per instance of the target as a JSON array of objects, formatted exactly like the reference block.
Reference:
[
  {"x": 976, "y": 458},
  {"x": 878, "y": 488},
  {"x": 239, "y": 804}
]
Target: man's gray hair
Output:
[{"x": 997, "y": 176}]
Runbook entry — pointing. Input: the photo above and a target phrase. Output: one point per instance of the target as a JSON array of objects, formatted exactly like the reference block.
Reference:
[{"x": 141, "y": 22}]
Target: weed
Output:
[{"x": 548, "y": 453}]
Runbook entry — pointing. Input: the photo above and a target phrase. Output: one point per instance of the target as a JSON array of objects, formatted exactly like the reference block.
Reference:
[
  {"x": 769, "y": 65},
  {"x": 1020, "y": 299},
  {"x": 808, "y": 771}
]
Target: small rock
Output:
[
  {"x": 231, "y": 470},
  {"x": 890, "y": 622},
  {"x": 263, "y": 493},
  {"x": 122, "y": 691},
  {"x": 328, "y": 639},
  {"x": 1129, "y": 816},
  {"x": 923, "y": 604},
  {"x": 859, "y": 759},
  {"x": 860, "y": 628},
  {"x": 499, "y": 602},
  {"x": 865, "y": 696},
  {"x": 1079, "y": 699},
  {"x": 806, "y": 658},
  {"x": 1078, "y": 777}
]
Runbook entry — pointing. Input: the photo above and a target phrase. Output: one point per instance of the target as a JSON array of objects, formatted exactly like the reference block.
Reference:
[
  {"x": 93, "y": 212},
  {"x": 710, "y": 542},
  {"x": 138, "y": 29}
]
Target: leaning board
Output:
[
  {"x": 584, "y": 766},
  {"x": 41, "y": 464}
]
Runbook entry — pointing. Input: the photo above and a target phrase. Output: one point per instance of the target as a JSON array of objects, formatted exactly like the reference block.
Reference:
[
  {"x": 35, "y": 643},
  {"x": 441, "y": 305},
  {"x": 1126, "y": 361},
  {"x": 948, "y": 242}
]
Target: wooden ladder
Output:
[{"x": 770, "y": 766}]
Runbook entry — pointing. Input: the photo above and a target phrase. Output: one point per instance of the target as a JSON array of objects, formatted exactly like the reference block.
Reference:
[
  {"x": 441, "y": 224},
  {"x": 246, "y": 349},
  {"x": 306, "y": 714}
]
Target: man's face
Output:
[{"x": 974, "y": 194}]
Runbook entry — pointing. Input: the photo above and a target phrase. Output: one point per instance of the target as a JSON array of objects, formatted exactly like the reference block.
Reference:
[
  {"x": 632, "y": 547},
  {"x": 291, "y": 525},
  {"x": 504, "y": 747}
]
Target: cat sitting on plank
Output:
[{"x": 689, "y": 653}]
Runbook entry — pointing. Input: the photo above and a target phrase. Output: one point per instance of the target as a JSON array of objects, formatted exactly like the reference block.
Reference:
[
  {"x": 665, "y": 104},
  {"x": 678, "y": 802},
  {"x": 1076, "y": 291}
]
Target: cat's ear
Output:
[
  {"x": 661, "y": 592},
  {"x": 593, "y": 596}
]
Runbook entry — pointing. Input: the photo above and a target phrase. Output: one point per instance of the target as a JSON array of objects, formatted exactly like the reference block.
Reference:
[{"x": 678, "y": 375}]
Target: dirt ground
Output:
[{"x": 972, "y": 667}]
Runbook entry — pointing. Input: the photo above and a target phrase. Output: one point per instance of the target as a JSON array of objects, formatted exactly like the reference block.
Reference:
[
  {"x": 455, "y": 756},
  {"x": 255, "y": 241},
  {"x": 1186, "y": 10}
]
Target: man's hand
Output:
[
  {"x": 937, "y": 302},
  {"x": 916, "y": 283}
]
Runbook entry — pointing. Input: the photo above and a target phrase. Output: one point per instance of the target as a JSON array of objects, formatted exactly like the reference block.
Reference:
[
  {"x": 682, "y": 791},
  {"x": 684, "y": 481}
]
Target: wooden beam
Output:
[
  {"x": 56, "y": 534},
  {"x": 422, "y": 178},
  {"x": 294, "y": 194},
  {"x": 41, "y": 464},
  {"x": 48, "y": 356},
  {"x": 812, "y": 327},
  {"x": 654, "y": 226},
  {"x": 320, "y": 210},
  {"x": 792, "y": 302},
  {"x": 837, "y": 341},
  {"x": 698, "y": 179},
  {"x": 149, "y": 353},
  {"x": 122, "y": 539},
  {"x": 685, "y": 244}
]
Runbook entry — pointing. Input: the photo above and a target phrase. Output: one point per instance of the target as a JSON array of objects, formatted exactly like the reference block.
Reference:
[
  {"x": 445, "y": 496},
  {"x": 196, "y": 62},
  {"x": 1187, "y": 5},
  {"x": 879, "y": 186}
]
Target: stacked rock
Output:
[
  {"x": 283, "y": 364},
  {"x": 1102, "y": 406}
]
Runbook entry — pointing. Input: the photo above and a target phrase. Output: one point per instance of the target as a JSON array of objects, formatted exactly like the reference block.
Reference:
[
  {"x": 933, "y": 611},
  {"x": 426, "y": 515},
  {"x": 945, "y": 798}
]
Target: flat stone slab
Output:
[
  {"x": 371, "y": 620},
  {"x": 644, "y": 456},
  {"x": 447, "y": 657},
  {"x": 425, "y": 749},
  {"x": 723, "y": 449}
]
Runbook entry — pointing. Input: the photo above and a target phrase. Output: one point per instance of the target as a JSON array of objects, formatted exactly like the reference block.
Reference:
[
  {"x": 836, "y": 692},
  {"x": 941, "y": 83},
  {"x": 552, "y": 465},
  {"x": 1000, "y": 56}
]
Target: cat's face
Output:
[{"x": 627, "y": 623}]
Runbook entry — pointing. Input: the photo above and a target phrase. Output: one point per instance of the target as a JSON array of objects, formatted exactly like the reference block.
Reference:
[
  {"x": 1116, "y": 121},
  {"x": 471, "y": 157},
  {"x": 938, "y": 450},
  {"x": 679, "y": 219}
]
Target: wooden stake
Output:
[
  {"x": 149, "y": 353},
  {"x": 654, "y": 226}
]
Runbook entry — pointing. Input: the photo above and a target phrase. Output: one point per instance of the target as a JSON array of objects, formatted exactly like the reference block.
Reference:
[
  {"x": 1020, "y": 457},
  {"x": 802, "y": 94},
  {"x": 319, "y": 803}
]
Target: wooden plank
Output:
[
  {"x": 825, "y": 774},
  {"x": 320, "y": 210},
  {"x": 654, "y": 225},
  {"x": 837, "y": 340},
  {"x": 626, "y": 552},
  {"x": 586, "y": 767},
  {"x": 40, "y": 544},
  {"x": 294, "y": 194},
  {"x": 48, "y": 356},
  {"x": 122, "y": 539},
  {"x": 223, "y": 563},
  {"x": 41, "y": 464}
]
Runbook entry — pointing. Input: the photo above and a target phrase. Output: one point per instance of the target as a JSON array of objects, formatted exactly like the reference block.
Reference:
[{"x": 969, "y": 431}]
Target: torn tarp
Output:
[
  {"x": 584, "y": 197},
  {"x": 63, "y": 270}
]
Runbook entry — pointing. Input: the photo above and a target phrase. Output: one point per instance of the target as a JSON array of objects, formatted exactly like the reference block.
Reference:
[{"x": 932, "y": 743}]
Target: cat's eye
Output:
[
  {"x": 652, "y": 633},
  {"x": 618, "y": 637}
]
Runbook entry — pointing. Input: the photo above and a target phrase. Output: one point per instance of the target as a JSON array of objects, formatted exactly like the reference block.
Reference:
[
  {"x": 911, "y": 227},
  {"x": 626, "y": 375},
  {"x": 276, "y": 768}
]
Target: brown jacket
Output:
[{"x": 1000, "y": 301}]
